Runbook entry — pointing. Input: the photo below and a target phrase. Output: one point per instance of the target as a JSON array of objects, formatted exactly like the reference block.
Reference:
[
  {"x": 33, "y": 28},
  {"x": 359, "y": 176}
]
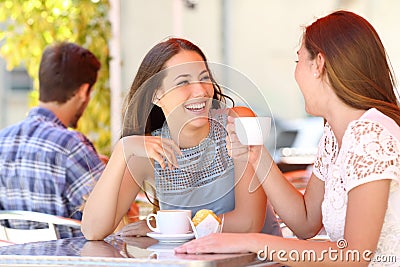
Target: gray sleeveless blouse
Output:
[{"x": 205, "y": 177}]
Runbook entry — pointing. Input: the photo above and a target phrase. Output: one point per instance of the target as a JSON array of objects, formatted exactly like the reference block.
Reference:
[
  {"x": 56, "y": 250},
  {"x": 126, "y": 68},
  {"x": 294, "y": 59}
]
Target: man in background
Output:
[{"x": 44, "y": 166}]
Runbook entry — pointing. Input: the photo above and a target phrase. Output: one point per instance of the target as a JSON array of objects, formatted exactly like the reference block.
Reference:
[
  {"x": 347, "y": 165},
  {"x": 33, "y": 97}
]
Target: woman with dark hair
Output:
[
  {"x": 354, "y": 193},
  {"x": 174, "y": 137}
]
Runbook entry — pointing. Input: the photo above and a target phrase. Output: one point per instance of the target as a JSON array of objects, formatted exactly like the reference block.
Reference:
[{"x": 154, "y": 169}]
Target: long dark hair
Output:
[
  {"x": 141, "y": 116},
  {"x": 356, "y": 62}
]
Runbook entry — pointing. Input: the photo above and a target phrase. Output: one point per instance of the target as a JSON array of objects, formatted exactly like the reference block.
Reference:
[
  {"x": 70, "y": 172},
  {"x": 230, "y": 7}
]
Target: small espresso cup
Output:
[
  {"x": 170, "y": 221},
  {"x": 252, "y": 130}
]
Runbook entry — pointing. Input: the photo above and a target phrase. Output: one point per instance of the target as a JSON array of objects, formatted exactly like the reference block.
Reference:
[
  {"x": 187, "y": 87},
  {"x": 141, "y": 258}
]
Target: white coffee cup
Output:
[
  {"x": 171, "y": 221},
  {"x": 252, "y": 130}
]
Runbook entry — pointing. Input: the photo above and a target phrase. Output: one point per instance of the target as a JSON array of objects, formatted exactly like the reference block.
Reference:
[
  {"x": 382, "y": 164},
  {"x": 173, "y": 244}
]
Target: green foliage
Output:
[{"x": 31, "y": 25}]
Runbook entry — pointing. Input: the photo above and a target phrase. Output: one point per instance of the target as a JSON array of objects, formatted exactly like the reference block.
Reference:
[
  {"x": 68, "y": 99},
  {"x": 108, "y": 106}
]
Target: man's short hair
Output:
[{"x": 64, "y": 67}]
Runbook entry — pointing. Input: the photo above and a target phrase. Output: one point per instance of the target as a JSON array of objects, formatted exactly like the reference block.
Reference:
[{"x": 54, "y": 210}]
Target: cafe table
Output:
[{"x": 115, "y": 251}]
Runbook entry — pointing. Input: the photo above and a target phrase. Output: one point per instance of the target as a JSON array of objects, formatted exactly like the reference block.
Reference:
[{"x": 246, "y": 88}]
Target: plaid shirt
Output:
[{"x": 45, "y": 167}]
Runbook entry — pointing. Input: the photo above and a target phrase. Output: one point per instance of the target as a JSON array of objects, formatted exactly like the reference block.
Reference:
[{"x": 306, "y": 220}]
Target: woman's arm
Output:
[
  {"x": 365, "y": 215},
  {"x": 250, "y": 205},
  {"x": 287, "y": 251},
  {"x": 302, "y": 214},
  {"x": 129, "y": 165},
  {"x": 250, "y": 199},
  {"x": 110, "y": 199},
  {"x": 366, "y": 209}
]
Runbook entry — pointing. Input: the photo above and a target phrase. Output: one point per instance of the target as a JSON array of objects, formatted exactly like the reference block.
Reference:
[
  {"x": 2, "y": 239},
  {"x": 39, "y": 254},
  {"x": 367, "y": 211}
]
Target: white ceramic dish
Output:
[{"x": 171, "y": 238}]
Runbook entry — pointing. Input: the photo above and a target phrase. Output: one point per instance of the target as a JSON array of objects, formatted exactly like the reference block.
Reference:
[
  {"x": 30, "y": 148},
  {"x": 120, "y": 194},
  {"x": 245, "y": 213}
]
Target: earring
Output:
[
  {"x": 315, "y": 74},
  {"x": 155, "y": 101}
]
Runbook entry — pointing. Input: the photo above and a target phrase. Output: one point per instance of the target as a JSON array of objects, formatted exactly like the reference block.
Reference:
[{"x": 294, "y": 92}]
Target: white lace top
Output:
[{"x": 370, "y": 151}]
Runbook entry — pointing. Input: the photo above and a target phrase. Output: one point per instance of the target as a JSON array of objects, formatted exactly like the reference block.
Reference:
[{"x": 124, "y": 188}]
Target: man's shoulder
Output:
[
  {"x": 44, "y": 131},
  {"x": 70, "y": 139},
  {"x": 11, "y": 129}
]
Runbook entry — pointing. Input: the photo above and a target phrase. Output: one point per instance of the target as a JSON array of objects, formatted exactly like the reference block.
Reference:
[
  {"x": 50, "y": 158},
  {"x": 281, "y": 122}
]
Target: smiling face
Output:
[{"x": 187, "y": 91}]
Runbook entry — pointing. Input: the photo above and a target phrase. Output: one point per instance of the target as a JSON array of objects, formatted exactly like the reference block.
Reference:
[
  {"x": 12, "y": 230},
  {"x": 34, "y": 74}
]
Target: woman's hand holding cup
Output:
[{"x": 246, "y": 137}]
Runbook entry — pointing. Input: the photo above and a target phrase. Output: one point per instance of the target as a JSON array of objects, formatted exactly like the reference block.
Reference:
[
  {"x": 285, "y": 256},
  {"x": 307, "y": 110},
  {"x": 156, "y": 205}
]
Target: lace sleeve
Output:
[
  {"x": 373, "y": 153},
  {"x": 327, "y": 150}
]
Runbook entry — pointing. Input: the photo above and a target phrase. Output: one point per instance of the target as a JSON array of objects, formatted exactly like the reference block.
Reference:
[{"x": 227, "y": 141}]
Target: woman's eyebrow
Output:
[
  {"x": 182, "y": 75},
  {"x": 204, "y": 71}
]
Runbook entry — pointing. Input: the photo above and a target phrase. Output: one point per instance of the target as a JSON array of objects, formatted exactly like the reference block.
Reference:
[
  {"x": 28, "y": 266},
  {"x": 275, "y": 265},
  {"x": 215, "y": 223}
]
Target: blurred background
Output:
[{"x": 257, "y": 38}]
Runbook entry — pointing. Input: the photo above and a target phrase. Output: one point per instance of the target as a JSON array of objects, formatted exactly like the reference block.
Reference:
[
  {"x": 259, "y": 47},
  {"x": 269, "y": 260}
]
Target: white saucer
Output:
[{"x": 171, "y": 238}]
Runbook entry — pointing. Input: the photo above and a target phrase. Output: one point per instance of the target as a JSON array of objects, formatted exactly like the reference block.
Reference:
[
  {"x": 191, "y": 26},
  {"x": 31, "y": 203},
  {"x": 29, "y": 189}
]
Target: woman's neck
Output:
[
  {"x": 340, "y": 119},
  {"x": 189, "y": 136}
]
